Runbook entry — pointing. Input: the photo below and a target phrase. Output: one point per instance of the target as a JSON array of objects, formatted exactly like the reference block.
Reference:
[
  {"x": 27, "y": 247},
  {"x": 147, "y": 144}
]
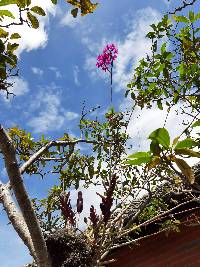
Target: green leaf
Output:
[
  {"x": 9, "y": 61},
  {"x": 38, "y": 10},
  {"x": 15, "y": 36},
  {"x": 138, "y": 158},
  {"x": 28, "y": 2},
  {"x": 155, "y": 148},
  {"x": 163, "y": 48},
  {"x": 12, "y": 47},
  {"x": 161, "y": 135},
  {"x": 185, "y": 169},
  {"x": 54, "y": 1},
  {"x": 197, "y": 16},
  {"x": 191, "y": 16},
  {"x": 6, "y": 13},
  {"x": 175, "y": 140},
  {"x": 8, "y": 2},
  {"x": 181, "y": 19},
  {"x": 197, "y": 123},
  {"x": 74, "y": 12},
  {"x": 2, "y": 47},
  {"x": 34, "y": 21},
  {"x": 186, "y": 143},
  {"x": 3, "y": 34},
  {"x": 159, "y": 104}
]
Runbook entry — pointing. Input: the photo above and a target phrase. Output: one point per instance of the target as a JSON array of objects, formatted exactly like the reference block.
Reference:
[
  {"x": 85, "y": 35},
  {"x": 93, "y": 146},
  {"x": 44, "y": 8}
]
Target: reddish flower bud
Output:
[
  {"x": 79, "y": 202},
  {"x": 107, "y": 200},
  {"x": 66, "y": 208}
]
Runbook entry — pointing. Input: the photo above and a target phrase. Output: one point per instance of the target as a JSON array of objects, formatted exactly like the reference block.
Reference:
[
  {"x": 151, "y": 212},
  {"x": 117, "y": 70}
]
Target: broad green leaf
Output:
[
  {"x": 34, "y": 21},
  {"x": 185, "y": 169},
  {"x": 138, "y": 158},
  {"x": 15, "y": 36},
  {"x": 138, "y": 161},
  {"x": 3, "y": 33},
  {"x": 187, "y": 152},
  {"x": 197, "y": 123},
  {"x": 38, "y": 10},
  {"x": 139, "y": 155},
  {"x": 6, "y": 13},
  {"x": 161, "y": 135},
  {"x": 186, "y": 143}
]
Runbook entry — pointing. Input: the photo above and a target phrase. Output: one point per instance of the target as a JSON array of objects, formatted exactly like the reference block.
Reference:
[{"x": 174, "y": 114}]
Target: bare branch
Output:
[{"x": 184, "y": 5}]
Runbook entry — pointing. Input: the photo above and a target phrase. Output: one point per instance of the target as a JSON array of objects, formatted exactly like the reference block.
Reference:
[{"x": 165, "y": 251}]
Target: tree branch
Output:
[
  {"x": 45, "y": 148},
  {"x": 184, "y": 5},
  {"x": 16, "y": 217},
  {"x": 23, "y": 200}
]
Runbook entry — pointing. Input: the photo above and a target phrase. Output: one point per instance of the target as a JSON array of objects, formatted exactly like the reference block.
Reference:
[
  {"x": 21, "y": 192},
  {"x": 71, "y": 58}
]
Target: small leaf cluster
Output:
[{"x": 85, "y": 6}]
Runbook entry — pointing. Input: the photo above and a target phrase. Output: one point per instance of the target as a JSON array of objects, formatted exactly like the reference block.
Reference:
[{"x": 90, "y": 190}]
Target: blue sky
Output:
[{"x": 58, "y": 73}]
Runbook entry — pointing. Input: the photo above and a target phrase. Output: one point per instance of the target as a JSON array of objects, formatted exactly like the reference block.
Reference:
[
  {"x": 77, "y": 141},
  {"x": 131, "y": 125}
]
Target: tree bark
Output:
[
  {"x": 16, "y": 181},
  {"x": 16, "y": 218}
]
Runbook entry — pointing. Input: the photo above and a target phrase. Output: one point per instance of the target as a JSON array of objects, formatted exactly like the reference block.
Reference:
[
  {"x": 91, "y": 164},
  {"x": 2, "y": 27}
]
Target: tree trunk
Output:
[
  {"x": 16, "y": 218},
  {"x": 16, "y": 181}
]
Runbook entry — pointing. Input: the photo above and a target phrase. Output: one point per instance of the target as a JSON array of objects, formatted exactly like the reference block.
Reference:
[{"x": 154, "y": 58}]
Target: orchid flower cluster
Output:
[{"x": 105, "y": 60}]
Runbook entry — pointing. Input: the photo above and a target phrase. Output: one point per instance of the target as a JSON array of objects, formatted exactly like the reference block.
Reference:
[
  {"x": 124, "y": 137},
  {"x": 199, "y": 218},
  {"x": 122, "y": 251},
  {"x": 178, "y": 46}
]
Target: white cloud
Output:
[
  {"x": 56, "y": 71},
  {"x": 76, "y": 75},
  {"x": 50, "y": 116},
  {"x": 131, "y": 48},
  {"x": 69, "y": 21},
  {"x": 135, "y": 46},
  {"x": 145, "y": 121},
  {"x": 71, "y": 115},
  {"x": 19, "y": 87},
  {"x": 37, "y": 71}
]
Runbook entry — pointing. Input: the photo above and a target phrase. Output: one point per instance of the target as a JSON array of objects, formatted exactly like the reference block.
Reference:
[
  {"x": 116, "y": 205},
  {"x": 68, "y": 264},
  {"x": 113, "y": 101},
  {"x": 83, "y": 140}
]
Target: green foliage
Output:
[
  {"x": 164, "y": 154},
  {"x": 155, "y": 207},
  {"x": 85, "y": 6},
  {"x": 171, "y": 73}
]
